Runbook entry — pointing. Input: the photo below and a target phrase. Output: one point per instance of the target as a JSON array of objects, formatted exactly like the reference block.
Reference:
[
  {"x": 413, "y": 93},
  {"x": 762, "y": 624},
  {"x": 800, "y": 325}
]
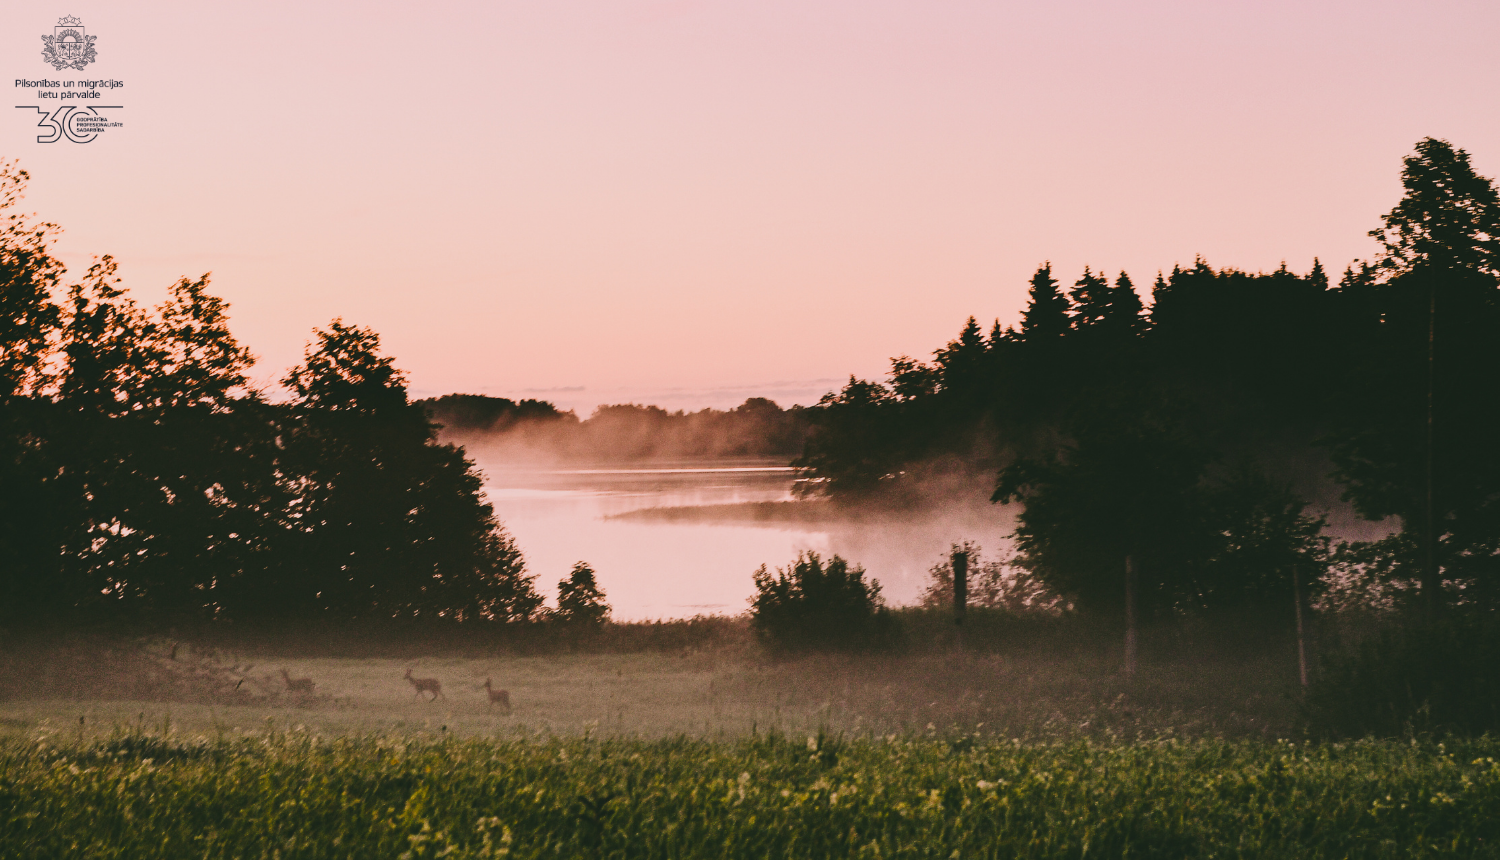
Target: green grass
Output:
[{"x": 300, "y": 795}]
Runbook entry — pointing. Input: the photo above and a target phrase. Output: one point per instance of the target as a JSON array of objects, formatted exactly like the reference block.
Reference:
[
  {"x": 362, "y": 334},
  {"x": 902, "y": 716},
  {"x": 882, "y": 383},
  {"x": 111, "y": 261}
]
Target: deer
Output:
[
  {"x": 426, "y": 685},
  {"x": 497, "y": 697},
  {"x": 297, "y": 685}
]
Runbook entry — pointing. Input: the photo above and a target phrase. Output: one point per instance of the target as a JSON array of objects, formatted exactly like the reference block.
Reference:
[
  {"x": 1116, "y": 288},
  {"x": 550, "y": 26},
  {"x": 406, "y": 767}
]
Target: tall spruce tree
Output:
[
  {"x": 961, "y": 367},
  {"x": 1124, "y": 312},
  {"x": 1047, "y": 309},
  {"x": 1091, "y": 300}
]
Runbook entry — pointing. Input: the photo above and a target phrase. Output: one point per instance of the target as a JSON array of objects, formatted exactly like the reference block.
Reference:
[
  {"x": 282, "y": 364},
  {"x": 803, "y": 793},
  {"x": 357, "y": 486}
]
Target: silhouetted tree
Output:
[
  {"x": 29, "y": 275},
  {"x": 471, "y": 413},
  {"x": 36, "y": 521},
  {"x": 105, "y": 420},
  {"x": 1092, "y": 300},
  {"x": 580, "y": 600},
  {"x": 1258, "y": 533},
  {"x": 961, "y": 365},
  {"x": 1420, "y": 443},
  {"x": 387, "y": 523},
  {"x": 208, "y": 446},
  {"x": 1124, "y": 313},
  {"x": 1448, "y": 220},
  {"x": 1126, "y": 484},
  {"x": 143, "y": 479},
  {"x": 854, "y": 445},
  {"x": 1047, "y": 308}
]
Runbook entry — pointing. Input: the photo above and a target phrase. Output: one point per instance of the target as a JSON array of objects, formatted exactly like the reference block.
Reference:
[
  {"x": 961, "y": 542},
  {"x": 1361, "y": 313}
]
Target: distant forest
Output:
[
  {"x": 1189, "y": 436},
  {"x": 620, "y": 432}
]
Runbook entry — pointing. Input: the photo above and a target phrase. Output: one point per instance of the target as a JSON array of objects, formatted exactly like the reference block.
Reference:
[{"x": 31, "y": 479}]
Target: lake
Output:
[{"x": 677, "y": 539}]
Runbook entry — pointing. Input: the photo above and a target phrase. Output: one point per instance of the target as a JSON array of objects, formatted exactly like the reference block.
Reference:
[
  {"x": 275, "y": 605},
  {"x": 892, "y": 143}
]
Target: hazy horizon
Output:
[{"x": 583, "y": 400}]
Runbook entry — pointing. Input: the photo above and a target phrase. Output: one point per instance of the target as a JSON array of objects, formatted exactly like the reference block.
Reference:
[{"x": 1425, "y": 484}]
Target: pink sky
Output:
[{"x": 688, "y": 202}]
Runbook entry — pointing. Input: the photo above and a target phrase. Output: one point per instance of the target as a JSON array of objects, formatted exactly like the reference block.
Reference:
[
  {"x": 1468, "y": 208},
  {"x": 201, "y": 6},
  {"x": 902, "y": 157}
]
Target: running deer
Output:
[
  {"x": 497, "y": 697},
  {"x": 297, "y": 685},
  {"x": 426, "y": 685}
]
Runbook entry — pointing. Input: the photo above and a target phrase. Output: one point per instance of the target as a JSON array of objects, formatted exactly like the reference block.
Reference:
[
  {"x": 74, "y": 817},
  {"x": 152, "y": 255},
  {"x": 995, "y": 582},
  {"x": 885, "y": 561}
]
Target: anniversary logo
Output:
[{"x": 70, "y": 47}]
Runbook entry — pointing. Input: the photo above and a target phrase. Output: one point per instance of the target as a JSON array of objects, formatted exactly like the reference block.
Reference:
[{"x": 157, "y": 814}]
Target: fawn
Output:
[
  {"x": 426, "y": 685},
  {"x": 297, "y": 685},
  {"x": 497, "y": 697}
]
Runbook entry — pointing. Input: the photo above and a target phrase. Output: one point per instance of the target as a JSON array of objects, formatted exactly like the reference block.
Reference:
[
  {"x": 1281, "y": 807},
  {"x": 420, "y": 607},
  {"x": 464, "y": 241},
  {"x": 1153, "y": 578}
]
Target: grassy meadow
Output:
[
  {"x": 1038, "y": 750},
  {"x": 1043, "y": 684}
]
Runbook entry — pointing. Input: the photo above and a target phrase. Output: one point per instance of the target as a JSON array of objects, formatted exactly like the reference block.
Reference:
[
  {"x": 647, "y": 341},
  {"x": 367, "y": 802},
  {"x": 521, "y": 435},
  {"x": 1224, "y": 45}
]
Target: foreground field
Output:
[
  {"x": 298, "y": 795},
  {"x": 710, "y": 695},
  {"x": 1042, "y": 751}
]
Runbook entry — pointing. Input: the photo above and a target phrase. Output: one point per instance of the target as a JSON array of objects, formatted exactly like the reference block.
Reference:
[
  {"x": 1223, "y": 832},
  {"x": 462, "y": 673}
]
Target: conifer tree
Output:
[
  {"x": 1046, "y": 317},
  {"x": 1125, "y": 311},
  {"x": 1091, "y": 300},
  {"x": 961, "y": 363}
]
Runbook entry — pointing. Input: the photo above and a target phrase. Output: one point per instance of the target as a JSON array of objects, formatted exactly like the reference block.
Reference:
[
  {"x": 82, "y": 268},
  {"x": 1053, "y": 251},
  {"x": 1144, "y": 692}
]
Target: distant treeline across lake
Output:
[{"x": 628, "y": 431}]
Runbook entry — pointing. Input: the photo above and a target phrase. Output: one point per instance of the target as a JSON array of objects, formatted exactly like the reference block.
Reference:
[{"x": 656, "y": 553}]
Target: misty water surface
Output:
[{"x": 701, "y": 561}]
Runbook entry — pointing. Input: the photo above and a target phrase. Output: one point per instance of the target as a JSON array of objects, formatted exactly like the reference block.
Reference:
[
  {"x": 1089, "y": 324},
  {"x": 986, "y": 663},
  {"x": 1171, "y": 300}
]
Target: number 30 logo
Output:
[{"x": 76, "y": 123}]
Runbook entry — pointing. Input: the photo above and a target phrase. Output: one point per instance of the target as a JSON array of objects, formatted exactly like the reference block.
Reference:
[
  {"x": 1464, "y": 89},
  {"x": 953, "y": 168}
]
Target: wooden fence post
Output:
[{"x": 960, "y": 590}]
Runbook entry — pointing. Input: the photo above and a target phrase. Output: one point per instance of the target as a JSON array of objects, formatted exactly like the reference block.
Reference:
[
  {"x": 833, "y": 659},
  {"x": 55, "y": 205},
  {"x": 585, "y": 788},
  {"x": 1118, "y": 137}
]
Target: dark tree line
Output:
[
  {"x": 621, "y": 432},
  {"x": 477, "y": 414},
  {"x": 1188, "y": 435},
  {"x": 142, "y": 478}
]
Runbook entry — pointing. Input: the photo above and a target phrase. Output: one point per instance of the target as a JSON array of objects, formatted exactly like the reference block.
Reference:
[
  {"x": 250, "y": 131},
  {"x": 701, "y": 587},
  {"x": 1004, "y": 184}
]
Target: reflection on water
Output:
[{"x": 673, "y": 568}]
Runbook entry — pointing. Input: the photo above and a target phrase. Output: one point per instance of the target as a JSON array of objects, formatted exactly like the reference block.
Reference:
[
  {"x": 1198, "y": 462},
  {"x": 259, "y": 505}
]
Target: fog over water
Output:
[{"x": 677, "y": 539}]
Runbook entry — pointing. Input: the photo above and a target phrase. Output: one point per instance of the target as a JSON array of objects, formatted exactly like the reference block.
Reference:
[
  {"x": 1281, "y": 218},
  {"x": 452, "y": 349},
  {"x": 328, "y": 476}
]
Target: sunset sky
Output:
[{"x": 688, "y": 203}]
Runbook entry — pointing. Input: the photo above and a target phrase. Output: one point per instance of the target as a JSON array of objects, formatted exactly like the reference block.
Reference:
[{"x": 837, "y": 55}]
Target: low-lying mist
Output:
[{"x": 536, "y": 432}]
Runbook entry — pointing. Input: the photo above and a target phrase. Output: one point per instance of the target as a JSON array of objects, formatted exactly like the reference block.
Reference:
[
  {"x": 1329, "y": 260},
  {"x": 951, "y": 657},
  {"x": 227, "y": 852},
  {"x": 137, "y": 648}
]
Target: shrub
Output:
[
  {"x": 993, "y": 584},
  {"x": 812, "y": 607},
  {"x": 580, "y": 600},
  {"x": 1433, "y": 678}
]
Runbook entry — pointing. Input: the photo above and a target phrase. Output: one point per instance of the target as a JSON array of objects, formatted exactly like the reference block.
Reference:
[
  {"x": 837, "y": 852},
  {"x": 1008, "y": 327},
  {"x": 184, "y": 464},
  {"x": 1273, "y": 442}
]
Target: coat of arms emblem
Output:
[{"x": 68, "y": 47}]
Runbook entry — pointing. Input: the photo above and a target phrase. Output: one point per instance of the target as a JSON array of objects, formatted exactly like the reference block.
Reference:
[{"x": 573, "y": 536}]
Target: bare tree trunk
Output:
[
  {"x": 1130, "y": 617},
  {"x": 1301, "y": 629},
  {"x": 1432, "y": 583}
]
